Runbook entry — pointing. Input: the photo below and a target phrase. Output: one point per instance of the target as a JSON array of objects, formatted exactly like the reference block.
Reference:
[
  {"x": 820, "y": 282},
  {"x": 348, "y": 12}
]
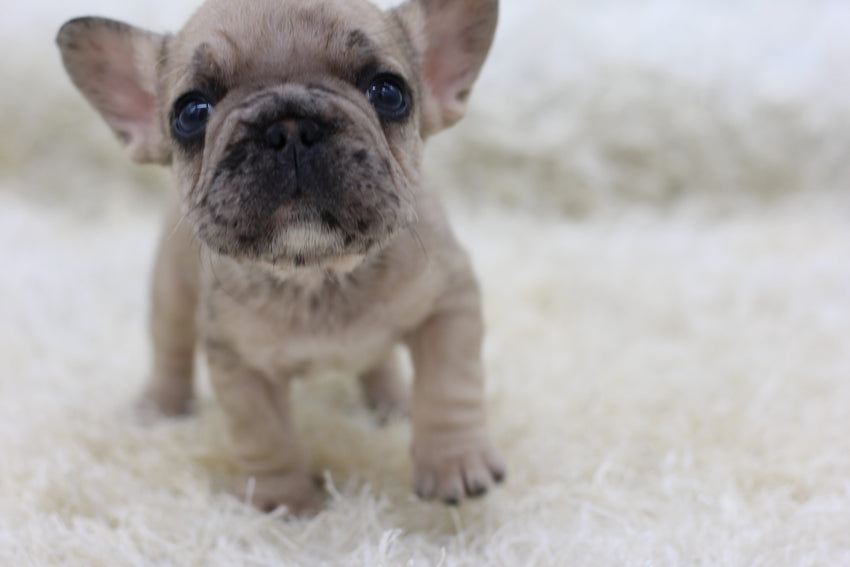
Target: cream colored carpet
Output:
[
  {"x": 668, "y": 390},
  {"x": 660, "y": 219}
]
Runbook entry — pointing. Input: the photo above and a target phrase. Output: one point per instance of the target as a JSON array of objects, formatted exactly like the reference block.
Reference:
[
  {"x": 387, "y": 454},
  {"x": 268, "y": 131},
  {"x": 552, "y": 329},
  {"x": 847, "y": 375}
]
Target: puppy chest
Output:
[
  {"x": 286, "y": 336},
  {"x": 295, "y": 350}
]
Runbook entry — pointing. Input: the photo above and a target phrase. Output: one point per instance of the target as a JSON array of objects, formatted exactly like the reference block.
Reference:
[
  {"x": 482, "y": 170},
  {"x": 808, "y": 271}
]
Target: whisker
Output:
[{"x": 420, "y": 242}]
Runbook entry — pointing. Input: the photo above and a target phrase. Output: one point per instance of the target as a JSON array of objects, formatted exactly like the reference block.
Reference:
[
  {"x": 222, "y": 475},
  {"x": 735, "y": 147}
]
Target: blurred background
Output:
[{"x": 584, "y": 106}]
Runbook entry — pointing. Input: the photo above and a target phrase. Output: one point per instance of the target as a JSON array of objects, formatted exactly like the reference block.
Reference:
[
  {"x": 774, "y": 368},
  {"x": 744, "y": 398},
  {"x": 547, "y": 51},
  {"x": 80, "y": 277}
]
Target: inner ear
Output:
[
  {"x": 114, "y": 65},
  {"x": 453, "y": 37}
]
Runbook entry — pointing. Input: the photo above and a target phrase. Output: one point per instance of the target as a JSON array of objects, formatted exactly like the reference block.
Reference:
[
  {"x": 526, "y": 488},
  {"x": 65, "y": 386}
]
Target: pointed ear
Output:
[
  {"x": 452, "y": 38},
  {"x": 114, "y": 65}
]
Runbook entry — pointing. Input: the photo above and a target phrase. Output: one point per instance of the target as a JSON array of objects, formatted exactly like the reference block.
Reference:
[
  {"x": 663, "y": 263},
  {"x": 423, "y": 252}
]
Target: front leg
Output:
[
  {"x": 452, "y": 452},
  {"x": 172, "y": 321},
  {"x": 262, "y": 434}
]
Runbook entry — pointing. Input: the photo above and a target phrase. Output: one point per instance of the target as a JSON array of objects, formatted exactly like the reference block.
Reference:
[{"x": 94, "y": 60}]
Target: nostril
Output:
[
  {"x": 311, "y": 132},
  {"x": 301, "y": 132},
  {"x": 277, "y": 136}
]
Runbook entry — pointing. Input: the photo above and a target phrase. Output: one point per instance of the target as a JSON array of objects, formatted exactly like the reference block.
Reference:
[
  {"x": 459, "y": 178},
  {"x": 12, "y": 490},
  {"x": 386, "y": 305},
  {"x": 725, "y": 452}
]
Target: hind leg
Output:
[
  {"x": 172, "y": 324},
  {"x": 384, "y": 390}
]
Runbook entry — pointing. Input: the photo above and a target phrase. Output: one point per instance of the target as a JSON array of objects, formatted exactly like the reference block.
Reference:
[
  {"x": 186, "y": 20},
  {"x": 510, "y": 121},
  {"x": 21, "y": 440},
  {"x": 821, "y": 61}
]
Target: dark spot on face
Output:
[
  {"x": 349, "y": 240},
  {"x": 362, "y": 225},
  {"x": 330, "y": 221},
  {"x": 234, "y": 158},
  {"x": 300, "y": 261},
  {"x": 360, "y": 156},
  {"x": 246, "y": 239},
  {"x": 357, "y": 39}
]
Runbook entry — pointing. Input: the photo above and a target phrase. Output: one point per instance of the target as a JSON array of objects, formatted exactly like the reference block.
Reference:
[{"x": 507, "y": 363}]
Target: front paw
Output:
[
  {"x": 448, "y": 474},
  {"x": 165, "y": 397},
  {"x": 299, "y": 492}
]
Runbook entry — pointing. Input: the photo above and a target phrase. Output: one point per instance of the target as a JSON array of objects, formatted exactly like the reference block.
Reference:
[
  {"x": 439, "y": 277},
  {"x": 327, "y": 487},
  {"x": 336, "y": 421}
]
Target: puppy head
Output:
[{"x": 294, "y": 127}]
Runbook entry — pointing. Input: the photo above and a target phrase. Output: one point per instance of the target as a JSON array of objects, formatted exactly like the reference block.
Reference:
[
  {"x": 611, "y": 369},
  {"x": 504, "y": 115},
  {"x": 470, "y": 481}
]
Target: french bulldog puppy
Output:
[{"x": 304, "y": 238}]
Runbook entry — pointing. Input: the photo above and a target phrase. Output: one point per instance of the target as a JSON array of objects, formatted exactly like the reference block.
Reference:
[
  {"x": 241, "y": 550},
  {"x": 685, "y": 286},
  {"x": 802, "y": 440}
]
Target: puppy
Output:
[{"x": 295, "y": 129}]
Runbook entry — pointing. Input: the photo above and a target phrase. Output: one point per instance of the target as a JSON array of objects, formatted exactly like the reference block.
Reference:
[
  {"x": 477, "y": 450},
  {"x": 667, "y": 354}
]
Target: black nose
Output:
[{"x": 302, "y": 132}]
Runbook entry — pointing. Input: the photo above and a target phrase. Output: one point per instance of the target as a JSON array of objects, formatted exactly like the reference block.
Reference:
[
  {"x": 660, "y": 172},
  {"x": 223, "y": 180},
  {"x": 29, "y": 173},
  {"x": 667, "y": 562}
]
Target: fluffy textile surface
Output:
[
  {"x": 667, "y": 391},
  {"x": 664, "y": 254}
]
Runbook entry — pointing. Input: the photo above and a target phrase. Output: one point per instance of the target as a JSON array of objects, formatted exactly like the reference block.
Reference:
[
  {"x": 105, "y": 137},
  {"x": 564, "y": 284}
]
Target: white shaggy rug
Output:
[
  {"x": 668, "y": 390},
  {"x": 665, "y": 253}
]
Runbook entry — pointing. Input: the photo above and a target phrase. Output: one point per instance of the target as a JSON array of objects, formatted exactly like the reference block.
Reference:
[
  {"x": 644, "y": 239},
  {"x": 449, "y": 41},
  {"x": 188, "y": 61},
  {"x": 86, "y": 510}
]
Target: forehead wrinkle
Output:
[
  {"x": 339, "y": 45},
  {"x": 356, "y": 40},
  {"x": 204, "y": 64},
  {"x": 348, "y": 44},
  {"x": 353, "y": 50},
  {"x": 204, "y": 70},
  {"x": 377, "y": 49}
]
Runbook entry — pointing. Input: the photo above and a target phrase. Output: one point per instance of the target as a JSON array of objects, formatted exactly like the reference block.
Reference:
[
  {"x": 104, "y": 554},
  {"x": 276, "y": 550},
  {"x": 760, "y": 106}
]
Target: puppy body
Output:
[{"x": 304, "y": 238}]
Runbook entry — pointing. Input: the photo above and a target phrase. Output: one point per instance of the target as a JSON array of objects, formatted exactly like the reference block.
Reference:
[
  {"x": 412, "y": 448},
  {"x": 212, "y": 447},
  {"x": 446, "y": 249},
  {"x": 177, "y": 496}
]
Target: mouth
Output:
[
  {"x": 296, "y": 235},
  {"x": 308, "y": 245}
]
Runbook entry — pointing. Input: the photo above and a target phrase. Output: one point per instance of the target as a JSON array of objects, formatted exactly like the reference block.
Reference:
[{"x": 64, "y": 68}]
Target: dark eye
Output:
[
  {"x": 191, "y": 114},
  {"x": 389, "y": 95}
]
